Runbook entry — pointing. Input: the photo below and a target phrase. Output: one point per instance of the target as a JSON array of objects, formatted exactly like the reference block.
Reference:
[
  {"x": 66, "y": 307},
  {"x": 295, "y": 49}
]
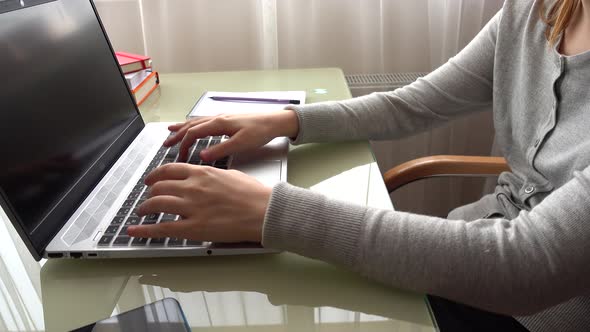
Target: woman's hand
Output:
[
  {"x": 246, "y": 131},
  {"x": 215, "y": 205}
]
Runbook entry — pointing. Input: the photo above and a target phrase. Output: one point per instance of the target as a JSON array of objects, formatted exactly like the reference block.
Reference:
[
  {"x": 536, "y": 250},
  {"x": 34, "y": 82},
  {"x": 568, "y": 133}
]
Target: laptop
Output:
[{"x": 75, "y": 150}]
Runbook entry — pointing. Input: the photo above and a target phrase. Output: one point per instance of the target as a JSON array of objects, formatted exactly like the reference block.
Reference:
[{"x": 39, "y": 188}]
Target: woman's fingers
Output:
[
  {"x": 177, "y": 136},
  {"x": 176, "y": 127},
  {"x": 168, "y": 188},
  {"x": 233, "y": 145},
  {"x": 217, "y": 126},
  {"x": 178, "y": 229},
  {"x": 172, "y": 171},
  {"x": 181, "y": 129},
  {"x": 163, "y": 204}
]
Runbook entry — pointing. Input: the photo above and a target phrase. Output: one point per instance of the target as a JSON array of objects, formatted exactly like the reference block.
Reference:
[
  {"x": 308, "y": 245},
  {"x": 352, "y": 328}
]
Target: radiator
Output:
[{"x": 363, "y": 84}]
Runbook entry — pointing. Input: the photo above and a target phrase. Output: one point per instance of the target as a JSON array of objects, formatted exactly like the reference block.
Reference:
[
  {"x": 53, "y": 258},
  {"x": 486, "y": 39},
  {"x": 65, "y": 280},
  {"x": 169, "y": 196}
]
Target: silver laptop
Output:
[{"x": 74, "y": 148}]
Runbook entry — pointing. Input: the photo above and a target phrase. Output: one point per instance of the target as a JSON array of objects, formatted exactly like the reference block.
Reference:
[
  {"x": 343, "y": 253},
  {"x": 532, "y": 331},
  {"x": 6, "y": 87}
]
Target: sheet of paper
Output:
[{"x": 209, "y": 107}]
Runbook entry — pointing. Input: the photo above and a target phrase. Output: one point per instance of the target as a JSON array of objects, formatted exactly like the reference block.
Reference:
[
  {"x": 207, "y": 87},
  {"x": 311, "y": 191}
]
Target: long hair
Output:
[{"x": 557, "y": 18}]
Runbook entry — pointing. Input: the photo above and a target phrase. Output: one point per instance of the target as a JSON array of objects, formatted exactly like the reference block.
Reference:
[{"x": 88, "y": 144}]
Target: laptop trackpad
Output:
[{"x": 266, "y": 171}]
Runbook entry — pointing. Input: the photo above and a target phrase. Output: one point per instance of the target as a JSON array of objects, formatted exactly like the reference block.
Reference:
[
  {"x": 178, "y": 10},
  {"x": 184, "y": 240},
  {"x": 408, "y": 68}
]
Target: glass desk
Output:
[{"x": 274, "y": 292}]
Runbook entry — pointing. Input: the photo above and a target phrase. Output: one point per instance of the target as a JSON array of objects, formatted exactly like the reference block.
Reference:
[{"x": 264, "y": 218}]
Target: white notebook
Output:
[{"x": 216, "y": 102}]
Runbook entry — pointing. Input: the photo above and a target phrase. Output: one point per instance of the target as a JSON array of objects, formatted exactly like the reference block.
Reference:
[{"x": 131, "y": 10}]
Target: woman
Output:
[{"x": 523, "y": 251}]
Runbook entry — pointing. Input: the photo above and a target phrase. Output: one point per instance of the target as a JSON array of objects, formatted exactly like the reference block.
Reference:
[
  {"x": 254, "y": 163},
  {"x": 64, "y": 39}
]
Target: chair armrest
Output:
[{"x": 443, "y": 166}]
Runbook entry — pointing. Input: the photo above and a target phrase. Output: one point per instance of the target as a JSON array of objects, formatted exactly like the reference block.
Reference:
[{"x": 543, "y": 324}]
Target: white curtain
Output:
[{"x": 359, "y": 36}]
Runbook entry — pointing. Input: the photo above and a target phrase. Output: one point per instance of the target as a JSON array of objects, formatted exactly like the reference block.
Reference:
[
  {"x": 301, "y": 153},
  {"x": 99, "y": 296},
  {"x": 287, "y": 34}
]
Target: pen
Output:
[{"x": 257, "y": 100}]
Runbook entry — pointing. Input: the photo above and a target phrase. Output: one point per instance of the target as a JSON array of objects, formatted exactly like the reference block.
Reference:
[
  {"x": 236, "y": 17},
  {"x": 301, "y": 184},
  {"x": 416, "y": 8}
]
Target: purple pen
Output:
[{"x": 256, "y": 100}]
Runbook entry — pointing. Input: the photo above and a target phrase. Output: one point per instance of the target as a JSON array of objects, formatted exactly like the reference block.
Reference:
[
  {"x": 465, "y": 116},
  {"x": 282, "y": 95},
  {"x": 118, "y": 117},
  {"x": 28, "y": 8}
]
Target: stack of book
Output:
[{"x": 140, "y": 77}]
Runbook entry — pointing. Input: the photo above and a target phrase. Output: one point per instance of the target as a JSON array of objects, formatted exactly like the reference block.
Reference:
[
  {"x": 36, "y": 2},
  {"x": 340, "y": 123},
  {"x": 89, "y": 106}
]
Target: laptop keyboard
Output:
[{"x": 115, "y": 235}]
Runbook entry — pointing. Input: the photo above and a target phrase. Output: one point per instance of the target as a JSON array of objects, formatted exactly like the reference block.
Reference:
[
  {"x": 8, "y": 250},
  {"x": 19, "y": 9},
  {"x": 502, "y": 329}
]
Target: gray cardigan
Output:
[{"x": 522, "y": 251}]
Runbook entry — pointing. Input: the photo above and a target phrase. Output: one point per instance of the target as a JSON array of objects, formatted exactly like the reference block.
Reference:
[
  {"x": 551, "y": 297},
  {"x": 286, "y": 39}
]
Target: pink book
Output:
[{"x": 132, "y": 62}]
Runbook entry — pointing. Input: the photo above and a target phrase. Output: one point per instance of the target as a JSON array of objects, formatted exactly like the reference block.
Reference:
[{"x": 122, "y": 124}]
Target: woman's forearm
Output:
[
  {"x": 462, "y": 85},
  {"x": 514, "y": 267}
]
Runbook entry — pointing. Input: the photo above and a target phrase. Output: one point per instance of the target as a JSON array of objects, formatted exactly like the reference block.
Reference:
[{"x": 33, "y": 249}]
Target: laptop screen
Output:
[{"x": 65, "y": 112}]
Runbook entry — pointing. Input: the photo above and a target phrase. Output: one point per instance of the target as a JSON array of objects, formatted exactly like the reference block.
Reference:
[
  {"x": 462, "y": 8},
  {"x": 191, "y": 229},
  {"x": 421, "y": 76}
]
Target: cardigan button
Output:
[{"x": 529, "y": 189}]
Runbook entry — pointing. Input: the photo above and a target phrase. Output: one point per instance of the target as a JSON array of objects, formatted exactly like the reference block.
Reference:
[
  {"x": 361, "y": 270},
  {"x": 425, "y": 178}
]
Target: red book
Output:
[{"x": 132, "y": 62}]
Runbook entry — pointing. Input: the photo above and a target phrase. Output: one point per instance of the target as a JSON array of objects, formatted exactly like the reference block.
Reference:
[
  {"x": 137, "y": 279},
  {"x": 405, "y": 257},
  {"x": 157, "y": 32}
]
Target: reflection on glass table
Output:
[
  {"x": 274, "y": 292},
  {"x": 160, "y": 316}
]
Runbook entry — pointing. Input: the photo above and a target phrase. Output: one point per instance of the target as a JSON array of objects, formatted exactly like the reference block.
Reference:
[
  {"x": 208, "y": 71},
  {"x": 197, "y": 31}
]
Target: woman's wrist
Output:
[{"x": 286, "y": 123}]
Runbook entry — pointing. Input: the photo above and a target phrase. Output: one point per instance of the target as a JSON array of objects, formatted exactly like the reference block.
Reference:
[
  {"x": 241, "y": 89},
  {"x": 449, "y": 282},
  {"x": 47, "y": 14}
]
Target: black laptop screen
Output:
[{"x": 63, "y": 107}]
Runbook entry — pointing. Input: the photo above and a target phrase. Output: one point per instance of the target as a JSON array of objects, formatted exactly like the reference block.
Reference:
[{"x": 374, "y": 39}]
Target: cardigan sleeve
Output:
[
  {"x": 515, "y": 267},
  {"x": 462, "y": 85}
]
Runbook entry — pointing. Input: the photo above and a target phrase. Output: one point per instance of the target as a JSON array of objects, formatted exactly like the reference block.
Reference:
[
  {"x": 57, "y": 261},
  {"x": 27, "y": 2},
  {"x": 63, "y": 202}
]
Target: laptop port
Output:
[
  {"x": 76, "y": 254},
  {"x": 55, "y": 255}
]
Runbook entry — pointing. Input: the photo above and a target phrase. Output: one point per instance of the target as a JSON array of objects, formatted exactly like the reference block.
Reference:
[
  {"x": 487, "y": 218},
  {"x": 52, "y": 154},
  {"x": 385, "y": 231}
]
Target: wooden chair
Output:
[{"x": 444, "y": 165}]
